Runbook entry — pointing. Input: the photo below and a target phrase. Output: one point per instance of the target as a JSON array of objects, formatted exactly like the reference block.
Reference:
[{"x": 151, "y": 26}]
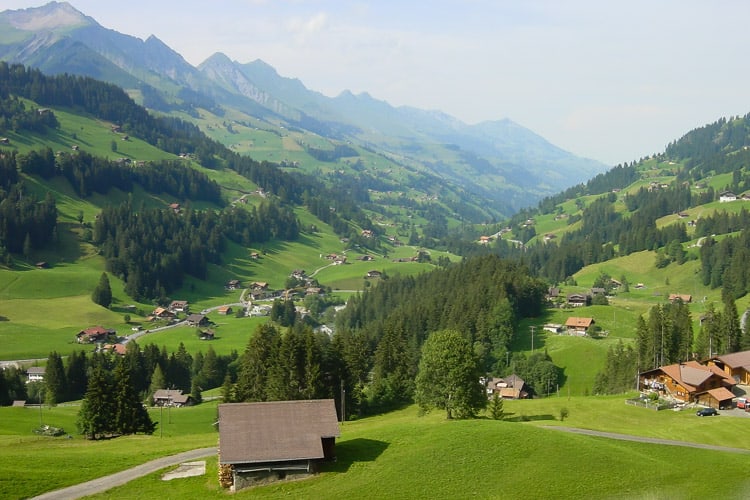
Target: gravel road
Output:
[
  {"x": 641, "y": 439},
  {"x": 107, "y": 482}
]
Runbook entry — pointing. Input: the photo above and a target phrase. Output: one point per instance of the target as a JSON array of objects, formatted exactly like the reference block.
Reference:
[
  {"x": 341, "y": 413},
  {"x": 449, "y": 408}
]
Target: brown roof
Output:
[
  {"x": 275, "y": 431},
  {"x": 736, "y": 359},
  {"x": 692, "y": 374},
  {"x": 579, "y": 322},
  {"x": 721, "y": 394}
]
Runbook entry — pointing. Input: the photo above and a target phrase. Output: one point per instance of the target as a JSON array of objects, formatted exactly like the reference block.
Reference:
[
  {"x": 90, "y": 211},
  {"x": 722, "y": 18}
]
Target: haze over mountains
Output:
[{"x": 497, "y": 164}]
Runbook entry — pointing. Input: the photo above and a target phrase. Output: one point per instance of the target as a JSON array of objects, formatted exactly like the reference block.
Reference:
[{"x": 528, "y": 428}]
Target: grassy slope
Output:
[{"x": 401, "y": 455}]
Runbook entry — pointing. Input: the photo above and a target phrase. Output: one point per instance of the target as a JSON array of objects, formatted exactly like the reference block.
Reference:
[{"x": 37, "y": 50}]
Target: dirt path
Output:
[
  {"x": 642, "y": 439},
  {"x": 107, "y": 482}
]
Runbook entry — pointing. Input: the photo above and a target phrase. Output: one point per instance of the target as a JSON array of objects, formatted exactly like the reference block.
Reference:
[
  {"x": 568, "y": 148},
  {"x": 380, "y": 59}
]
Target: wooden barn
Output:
[{"x": 273, "y": 441}]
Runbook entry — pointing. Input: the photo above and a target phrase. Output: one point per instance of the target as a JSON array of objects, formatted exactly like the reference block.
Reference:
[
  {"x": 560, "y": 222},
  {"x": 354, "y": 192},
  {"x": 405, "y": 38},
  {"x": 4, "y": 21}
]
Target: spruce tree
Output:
[
  {"x": 55, "y": 387},
  {"x": 102, "y": 294},
  {"x": 129, "y": 414},
  {"x": 95, "y": 416}
]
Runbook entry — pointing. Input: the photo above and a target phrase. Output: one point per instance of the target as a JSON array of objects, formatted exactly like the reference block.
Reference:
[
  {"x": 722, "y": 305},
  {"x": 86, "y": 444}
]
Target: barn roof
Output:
[{"x": 275, "y": 431}]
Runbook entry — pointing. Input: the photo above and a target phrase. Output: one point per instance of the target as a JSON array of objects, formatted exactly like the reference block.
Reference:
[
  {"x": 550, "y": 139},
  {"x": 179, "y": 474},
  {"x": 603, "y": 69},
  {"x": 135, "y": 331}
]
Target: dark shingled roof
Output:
[{"x": 275, "y": 431}]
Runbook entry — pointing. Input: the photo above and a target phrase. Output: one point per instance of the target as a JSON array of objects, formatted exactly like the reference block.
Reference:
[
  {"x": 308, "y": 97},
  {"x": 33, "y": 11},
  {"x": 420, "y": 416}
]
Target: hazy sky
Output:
[{"x": 613, "y": 81}]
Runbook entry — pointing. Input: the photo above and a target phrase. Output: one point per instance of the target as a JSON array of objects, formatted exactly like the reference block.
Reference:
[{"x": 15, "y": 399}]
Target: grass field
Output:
[{"x": 401, "y": 455}]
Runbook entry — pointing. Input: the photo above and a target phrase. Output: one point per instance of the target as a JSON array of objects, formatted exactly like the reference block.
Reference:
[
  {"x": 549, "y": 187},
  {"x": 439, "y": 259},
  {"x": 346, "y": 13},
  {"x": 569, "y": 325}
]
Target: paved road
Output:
[
  {"x": 642, "y": 439},
  {"x": 104, "y": 483}
]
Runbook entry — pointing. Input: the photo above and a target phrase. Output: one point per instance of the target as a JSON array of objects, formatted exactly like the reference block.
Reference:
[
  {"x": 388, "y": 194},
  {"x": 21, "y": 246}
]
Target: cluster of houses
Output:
[{"x": 709, "y": 383}]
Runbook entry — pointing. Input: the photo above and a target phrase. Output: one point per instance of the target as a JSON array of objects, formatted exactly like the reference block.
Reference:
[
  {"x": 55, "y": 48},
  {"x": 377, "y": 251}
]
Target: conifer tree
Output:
[
  {"x": 129, "y": 414},
  {"x": 75, "y": 374},
  {"x": 55, "y": 387},
  {"x": 102, "y": 294},
  {"x": 95, "y": 416}
]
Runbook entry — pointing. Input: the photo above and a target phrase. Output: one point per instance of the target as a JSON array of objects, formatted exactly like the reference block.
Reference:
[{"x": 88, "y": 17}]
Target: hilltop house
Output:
[
  {"x": 690, "y": 382},
  {"x": 272, "y": 441}
]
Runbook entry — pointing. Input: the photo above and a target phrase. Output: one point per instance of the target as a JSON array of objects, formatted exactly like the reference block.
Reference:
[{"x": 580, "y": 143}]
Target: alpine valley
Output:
[{"x": 221, "y": 233}]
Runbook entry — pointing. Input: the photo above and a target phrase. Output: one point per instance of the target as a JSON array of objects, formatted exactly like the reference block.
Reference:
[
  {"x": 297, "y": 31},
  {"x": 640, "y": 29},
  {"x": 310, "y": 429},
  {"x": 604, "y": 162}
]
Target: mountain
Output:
[{"x": 496, "y": 167}]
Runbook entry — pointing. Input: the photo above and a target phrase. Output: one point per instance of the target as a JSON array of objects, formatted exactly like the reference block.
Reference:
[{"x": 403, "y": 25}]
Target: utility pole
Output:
[
  {"x": 343, "y": 401},
  {"x": 533, "y": 328}
]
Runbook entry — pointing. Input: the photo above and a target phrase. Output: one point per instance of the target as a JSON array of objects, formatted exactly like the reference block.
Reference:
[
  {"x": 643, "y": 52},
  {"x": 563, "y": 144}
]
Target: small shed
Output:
[{"x": 272, "y": 441}]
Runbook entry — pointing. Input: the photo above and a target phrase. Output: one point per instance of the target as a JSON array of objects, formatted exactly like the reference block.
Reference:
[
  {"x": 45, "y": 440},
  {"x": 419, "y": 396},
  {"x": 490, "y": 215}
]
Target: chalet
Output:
[
  {"x": 373, "y": 274},
  {"x": 259, "y": 286},
  {"x": 577, "y": 299},
  {"x": 171, "y": 397},
  {"x": 273, "y": 441},
  {"x": 233, "y": 285},
  {"x": 690, "y": 382},
  {"x": 484, "y": 240},
  {"x": 339, "y": 260},
  {"x": 366, "y": 258},
  {"x": 367, "y": 233},
  {"x": 197, "y": 320},
  {"x": 207, "y": 335},
  {"x": 598, "y": 291},
  {"x": 313, "y": 290},
  {"x": 175, "y": 207},
  {"x": 552, "y": 293},
  {"x": 549, "y": 236},
  {"x": 685, "y": 299},
  {"x": 162, "y": 313},
  {"x": 727, "y": 196},
  {"x": 179, "y": 306},
  {"x": 41, "y": 265},
  {"x": 4, "y": 140},
  {"x": 254, "y": 255},
  {"x": 735, "y": 365},
  {"x": 224, "y": 310},
  {"x": 579, "y": 326},
  {"x": 94, "y": 334},
  {"x": 260, "y": 310},
  {"x": 512, "y": 387},
  {"x": 35, "y": 374}
]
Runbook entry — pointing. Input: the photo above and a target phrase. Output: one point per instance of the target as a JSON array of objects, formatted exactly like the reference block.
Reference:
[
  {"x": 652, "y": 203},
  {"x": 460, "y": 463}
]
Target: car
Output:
[{"x": 706, "y": 412}]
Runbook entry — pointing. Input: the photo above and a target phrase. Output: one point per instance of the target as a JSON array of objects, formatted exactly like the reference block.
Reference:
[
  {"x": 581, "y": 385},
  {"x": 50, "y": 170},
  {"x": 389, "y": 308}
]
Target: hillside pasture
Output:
[{"x": 401, "y": 455}]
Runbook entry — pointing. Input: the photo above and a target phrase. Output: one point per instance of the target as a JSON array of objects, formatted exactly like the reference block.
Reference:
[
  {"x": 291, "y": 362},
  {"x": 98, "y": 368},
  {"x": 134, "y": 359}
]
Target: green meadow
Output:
[{"x": 402, "y": 455}]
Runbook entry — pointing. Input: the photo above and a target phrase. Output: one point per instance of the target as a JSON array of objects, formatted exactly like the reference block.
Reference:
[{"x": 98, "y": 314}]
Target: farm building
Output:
[
  {"x": 690, "y": 382},
  {"x": 579, "y": 326},
  {"x": 272, "y": 441},
  {"x": 735, "y": 365}
]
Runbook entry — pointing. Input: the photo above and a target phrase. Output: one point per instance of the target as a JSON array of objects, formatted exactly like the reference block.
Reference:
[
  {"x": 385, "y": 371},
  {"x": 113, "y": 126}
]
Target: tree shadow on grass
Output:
[
  {"x": 520, "y": 417},
  {"x": 348, "y": 453}
]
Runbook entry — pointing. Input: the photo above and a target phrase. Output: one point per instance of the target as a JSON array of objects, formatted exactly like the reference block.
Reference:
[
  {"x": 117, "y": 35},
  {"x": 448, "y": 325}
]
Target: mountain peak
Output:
[{"x": 49, "y": 17}]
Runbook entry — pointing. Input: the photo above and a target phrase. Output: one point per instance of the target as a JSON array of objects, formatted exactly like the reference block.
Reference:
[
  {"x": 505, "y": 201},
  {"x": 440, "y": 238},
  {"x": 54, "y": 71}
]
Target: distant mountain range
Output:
[{"x": 498, "y": 165}]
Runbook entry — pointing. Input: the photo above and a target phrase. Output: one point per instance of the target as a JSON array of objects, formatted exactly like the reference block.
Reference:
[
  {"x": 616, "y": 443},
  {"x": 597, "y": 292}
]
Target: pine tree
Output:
[
  {"x": 256, "y": 363},
  {"x": 102, "y": 294},
  {"x": 496, "y": 407},
  {"x": 75, "y": 374},
  {"x": 129, "y": 414},
  {"x": 95, "y": 416},
  {"x": 55, "y": 387},
  {"x": 157, "y": 381}
]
